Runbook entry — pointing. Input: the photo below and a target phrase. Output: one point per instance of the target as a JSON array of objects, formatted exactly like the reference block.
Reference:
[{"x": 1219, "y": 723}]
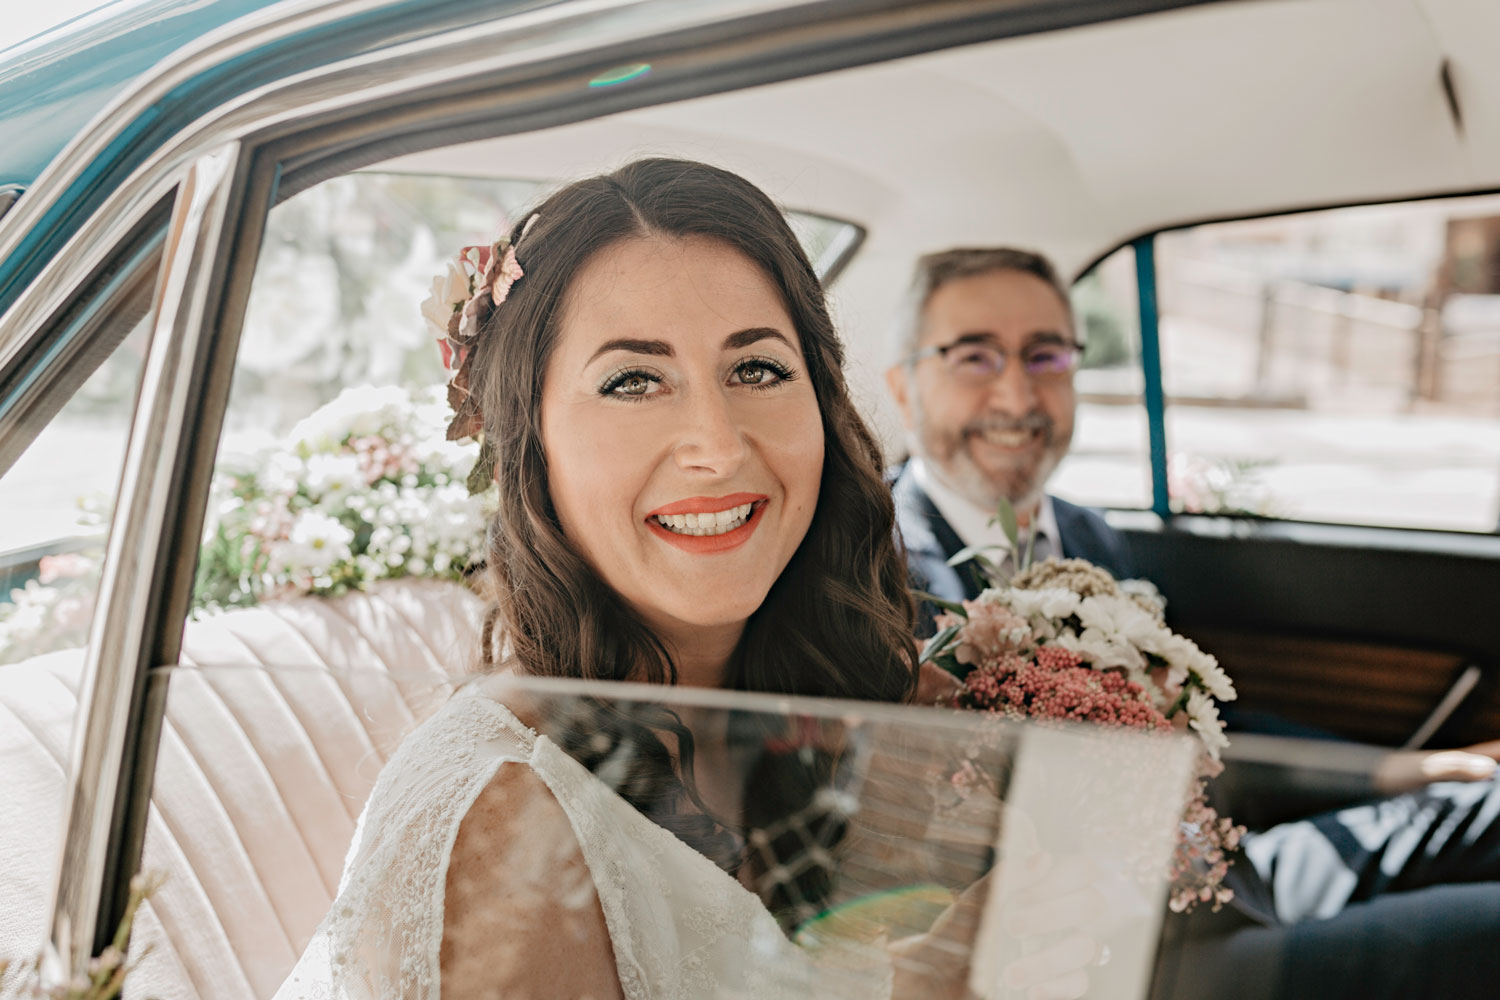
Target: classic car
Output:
[{"x": 1280, "y": 215}]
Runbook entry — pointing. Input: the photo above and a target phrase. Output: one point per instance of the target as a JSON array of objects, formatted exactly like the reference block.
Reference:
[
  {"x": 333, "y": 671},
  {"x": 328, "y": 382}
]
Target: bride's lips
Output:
[{"x": 706, "y": 544}]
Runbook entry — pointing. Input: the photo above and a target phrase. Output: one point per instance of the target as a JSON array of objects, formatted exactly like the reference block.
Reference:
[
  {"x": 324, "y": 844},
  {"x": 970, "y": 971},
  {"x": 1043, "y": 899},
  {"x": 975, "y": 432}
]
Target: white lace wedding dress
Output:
[{"x": 680, "y": 927}]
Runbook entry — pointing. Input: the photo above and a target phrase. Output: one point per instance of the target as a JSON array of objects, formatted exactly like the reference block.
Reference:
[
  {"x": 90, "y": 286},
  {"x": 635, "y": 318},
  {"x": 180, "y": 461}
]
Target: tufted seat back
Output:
[{"x": 277, "y": 722}]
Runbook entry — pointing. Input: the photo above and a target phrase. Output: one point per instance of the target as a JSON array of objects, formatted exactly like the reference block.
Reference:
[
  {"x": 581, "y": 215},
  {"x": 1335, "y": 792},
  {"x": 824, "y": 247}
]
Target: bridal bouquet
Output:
[
  {"x": 1063, "y": 641},
  {"x": 366, "y": 488}
]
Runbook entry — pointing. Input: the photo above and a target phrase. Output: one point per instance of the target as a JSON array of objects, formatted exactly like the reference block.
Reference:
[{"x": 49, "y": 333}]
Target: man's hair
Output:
[{"x": 935, "y": 270}]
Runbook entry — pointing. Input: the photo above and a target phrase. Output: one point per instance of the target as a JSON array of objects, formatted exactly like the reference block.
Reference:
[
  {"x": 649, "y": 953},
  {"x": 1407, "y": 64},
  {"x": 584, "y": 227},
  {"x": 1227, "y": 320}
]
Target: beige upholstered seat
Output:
[{"x": 277, "y": 723}]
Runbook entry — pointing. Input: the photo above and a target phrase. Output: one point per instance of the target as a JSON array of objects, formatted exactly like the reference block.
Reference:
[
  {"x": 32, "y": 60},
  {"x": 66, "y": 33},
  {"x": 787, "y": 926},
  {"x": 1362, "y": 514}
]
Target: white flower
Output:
[
  {"x": 1212, "y": 676},
  {"x": 1055, "y": 603},
  {"x": 358, "y": 411},
  {"x": 331, "y": 478},
  {"x": 1117, "y": 615},
  {"x": 281, "y": 474},
  {"x": 1145, "y": 591},
  {"x": 1185, "y": 659},
  {"x": 317, "y": 543},
  {"x": 449, "y": 289},
  {"x": 1203, "y": 717}
]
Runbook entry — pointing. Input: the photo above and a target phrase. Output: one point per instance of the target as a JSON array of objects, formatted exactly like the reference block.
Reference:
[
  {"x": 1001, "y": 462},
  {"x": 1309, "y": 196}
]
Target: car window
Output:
[
  {"x": 1337, "y": 366},
  {"x": 1109, "y": 462},
  {"x": 58, "y": 497}
]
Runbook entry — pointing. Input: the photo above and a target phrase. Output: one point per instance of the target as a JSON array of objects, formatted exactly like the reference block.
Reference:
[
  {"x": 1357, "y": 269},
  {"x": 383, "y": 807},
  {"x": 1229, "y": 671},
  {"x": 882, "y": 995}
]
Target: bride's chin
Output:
[{"x": 693, "y": 613}]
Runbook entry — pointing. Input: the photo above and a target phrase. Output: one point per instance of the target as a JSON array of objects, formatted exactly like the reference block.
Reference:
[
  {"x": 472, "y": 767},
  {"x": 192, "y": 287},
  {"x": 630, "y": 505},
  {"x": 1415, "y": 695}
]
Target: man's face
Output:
[{"x": 998, "y": 435}]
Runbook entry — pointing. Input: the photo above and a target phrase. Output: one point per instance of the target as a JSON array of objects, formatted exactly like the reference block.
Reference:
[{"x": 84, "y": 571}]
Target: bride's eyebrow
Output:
[
  {"x": 655, "y": 348},
  {"x": 662, "y": 349},
  {"x": 744, "y": 338}
]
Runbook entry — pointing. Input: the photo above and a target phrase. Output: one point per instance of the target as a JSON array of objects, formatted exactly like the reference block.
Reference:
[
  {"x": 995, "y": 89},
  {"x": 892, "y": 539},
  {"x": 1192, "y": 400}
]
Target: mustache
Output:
[{"x": 995, "y": 422}]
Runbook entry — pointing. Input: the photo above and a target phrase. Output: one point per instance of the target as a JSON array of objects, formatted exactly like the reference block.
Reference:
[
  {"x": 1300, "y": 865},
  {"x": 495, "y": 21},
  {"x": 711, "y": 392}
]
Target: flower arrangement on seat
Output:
[{"x": 366, "y": 488}]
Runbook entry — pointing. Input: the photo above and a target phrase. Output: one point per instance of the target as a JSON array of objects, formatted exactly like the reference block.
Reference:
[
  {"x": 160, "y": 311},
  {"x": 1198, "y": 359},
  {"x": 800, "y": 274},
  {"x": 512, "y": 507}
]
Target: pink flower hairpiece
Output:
[{"x": 458, "y": 309}]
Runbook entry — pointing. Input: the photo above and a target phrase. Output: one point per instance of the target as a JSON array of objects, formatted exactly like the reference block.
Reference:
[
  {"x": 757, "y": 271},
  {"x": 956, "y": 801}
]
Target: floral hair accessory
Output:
[{"x": 457, "y": 310}]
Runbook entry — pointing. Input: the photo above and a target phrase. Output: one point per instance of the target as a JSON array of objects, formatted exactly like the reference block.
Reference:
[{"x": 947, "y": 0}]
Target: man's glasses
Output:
[{"x": 981, "y": 360}]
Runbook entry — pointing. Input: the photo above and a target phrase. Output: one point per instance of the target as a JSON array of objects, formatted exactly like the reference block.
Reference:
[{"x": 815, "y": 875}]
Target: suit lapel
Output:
[{"x": 930, "y": 542}]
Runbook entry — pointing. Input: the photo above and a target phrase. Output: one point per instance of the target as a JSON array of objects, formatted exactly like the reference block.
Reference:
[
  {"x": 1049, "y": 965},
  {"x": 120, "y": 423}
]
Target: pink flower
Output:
[
  {"x": 992, "y": 630},
  {"x": 446, "y": 349},
  {"x": 1054, "y": 684},
  {"x": 507, "y": 274},
  {"x": 64, "y": 566}
]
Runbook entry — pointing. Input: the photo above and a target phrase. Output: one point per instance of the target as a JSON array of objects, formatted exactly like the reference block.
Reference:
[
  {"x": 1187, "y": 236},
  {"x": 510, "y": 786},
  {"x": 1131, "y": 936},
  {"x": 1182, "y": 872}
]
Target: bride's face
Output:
[{"x": 684, "y": 444}]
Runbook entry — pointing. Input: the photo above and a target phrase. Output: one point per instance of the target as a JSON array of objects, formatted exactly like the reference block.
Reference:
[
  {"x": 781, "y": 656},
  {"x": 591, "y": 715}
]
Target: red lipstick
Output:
[
  {"x": 708, "y": 544},
  {"x": 709, "y": 505}
]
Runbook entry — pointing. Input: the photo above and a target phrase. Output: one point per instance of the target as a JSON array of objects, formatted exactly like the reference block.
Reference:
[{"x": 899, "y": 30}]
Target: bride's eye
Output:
[
  {"x": 631, "y": 384},
  {"x": 761, "y": 373}
]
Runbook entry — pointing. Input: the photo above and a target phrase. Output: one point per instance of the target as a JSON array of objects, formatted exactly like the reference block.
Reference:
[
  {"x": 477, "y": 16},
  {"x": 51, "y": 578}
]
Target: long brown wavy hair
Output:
[{"x": 839, "y": 621}]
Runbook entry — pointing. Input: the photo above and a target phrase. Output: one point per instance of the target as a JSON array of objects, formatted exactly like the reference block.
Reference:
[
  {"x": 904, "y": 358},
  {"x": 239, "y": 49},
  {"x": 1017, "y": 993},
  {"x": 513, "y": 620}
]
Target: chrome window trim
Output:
[
  {"x": 324, "y": 121},
  {"x": 72, "y": 348},
  {"x": 29, "y": 319},
  {"x": 108, "y": 751}
]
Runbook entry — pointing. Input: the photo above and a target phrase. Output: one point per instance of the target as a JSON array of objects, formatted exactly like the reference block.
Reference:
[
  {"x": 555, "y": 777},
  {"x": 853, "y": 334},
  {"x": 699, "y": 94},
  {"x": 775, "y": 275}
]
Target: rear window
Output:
[{"x": 1336, "y": 366}]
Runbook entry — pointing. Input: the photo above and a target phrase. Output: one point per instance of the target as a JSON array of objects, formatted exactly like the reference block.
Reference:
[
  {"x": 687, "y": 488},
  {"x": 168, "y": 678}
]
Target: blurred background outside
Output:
[{"x": 1339, "y": 366}]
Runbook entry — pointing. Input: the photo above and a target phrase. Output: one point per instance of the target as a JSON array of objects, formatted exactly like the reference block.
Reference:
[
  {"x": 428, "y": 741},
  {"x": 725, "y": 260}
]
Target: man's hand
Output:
[
  {"x": 1409, "y": 770},
  {"x": 935, "y": 686}
]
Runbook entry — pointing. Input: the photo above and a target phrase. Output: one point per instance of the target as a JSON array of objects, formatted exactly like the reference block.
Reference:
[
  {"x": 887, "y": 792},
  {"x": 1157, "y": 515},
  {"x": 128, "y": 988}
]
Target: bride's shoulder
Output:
[
  {"x": 520, "y": 911},
  {"x": 483, "y": 707}
]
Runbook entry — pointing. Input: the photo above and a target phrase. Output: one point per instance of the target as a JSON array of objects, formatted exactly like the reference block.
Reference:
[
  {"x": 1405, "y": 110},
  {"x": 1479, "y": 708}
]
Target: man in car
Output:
[{"x": 985, "y": 388}]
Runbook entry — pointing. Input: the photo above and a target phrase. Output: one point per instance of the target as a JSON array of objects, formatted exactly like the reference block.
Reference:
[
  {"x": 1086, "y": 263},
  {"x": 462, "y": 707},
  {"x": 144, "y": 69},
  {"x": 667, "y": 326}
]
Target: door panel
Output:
[{"x": 1328, "y": 627}]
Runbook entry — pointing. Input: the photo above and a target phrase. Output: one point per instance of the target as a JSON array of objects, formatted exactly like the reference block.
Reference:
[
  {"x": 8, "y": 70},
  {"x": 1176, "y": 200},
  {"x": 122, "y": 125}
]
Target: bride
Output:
[{"x": 687, "y": 496}]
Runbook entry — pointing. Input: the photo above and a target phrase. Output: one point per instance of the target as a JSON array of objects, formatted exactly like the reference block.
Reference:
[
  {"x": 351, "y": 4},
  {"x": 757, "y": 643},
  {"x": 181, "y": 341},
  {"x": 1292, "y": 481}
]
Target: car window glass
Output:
[
  {"x": 57, "y": 500},
  {"x": 1337, "y": 366},
  {"x": 1108, "y": 464},
  {"x": 58, "y": 497}
]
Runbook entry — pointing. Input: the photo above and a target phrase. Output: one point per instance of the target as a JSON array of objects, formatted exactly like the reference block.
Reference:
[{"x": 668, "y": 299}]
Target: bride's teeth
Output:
[{"x": 715, "y": 523}]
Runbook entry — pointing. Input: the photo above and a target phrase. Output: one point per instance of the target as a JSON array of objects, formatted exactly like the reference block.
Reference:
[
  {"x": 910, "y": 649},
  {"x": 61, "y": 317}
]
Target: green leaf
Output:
[
  {"x": 953, "y": 606},
  {"x": 937, "y": 645},
  {"x": 1005, "y": 516},
  {"x": 483, "y": 472},
  {"x": 949, "y": 662},
  {"x": 975, "y": 553}
]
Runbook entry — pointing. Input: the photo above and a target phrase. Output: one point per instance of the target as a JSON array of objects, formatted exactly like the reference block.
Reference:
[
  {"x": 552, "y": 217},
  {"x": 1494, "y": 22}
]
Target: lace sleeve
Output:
[{"x": 382, "y": 936}]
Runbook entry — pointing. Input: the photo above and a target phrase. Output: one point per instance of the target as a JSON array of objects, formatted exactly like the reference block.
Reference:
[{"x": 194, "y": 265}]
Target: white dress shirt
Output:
[{"x": 973, "y": 523}]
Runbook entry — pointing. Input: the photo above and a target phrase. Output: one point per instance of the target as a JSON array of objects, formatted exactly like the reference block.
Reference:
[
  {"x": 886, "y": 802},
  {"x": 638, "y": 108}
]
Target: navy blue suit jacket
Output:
[{"x": 931, "y": 542}]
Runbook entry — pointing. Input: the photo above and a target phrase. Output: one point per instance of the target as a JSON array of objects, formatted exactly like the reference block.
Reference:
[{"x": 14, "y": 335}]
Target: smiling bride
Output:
[{"x": 687, "y": 496}]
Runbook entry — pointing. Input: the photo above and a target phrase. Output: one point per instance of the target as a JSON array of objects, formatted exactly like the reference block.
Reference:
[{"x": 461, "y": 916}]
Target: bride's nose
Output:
[{"x": 711, "y": 439}]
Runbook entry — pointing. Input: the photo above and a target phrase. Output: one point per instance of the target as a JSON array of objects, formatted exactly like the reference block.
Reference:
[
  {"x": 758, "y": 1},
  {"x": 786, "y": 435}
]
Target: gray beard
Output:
[{"x": 948, "y": 458}]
